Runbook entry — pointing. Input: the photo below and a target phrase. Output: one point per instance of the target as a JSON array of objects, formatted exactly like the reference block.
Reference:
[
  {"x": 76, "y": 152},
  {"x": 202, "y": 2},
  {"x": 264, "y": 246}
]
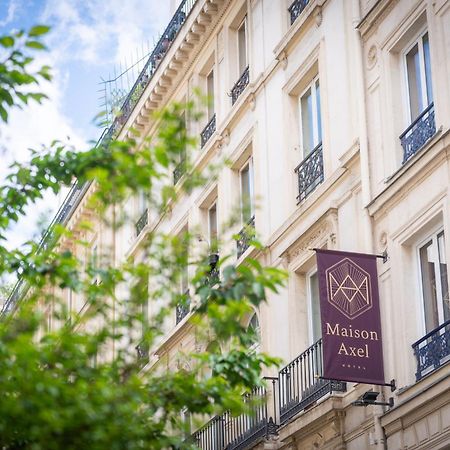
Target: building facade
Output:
[{"x": 335, "y": 115}]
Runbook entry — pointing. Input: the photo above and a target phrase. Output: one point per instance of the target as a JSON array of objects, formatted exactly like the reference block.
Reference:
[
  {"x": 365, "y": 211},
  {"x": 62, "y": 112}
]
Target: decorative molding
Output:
[
  {"x": 372, "y": 57},
  {"x": 323, "y": 231}
]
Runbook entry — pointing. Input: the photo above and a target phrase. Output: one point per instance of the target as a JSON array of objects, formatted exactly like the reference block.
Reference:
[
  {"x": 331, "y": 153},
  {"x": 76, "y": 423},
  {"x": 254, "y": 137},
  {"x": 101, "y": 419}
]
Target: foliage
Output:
[{"x": 70, "y": 378}]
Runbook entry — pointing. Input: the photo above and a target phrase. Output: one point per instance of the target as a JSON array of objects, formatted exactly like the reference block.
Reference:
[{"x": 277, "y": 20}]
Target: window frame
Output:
[
  {"x": 243, "y": 24},
  {"x": 418, "y": 40},
  {"x": 213, "y": 240},
  {"x": 309, "y": 300},
  {"x": 432, "y": 237},
  {"x": 251, "y": 202},
  {"x": 210, "y": 111},
  {"x": 316, "y": 117}
]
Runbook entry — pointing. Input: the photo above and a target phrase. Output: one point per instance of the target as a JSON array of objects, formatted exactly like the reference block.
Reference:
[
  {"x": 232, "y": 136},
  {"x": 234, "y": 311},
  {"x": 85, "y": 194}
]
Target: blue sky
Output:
[{"x": 88, "y": 39}]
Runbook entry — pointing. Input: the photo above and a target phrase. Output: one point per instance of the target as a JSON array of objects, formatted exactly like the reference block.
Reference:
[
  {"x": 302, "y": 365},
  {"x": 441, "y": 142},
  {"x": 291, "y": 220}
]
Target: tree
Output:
[{"x": 76, "y": 386}]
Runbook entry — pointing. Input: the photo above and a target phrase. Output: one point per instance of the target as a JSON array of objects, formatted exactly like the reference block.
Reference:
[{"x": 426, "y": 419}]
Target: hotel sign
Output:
[{"x": 350, "y": 313}]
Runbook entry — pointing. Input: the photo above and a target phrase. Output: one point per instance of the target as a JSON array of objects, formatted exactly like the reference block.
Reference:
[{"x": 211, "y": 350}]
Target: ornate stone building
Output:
[{"x": 335, "y": 115}]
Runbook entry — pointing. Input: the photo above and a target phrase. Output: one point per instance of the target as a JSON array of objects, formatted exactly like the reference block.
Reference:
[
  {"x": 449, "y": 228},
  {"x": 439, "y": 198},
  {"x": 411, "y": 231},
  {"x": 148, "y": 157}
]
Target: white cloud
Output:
[
  {"x": 35, "y": 126},
  {"x": 95, "y": 31},
  {"x": 10, "y": 14}
]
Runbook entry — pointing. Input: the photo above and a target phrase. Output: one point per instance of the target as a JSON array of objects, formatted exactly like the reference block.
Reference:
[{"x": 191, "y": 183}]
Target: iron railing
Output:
[
  {"x": 241, "y": 432},
  {"x": 154, "y": 60},
  {"x": 208, "y": 131},
  {"x": 240, "y": 85},
  {"x": 296, "y": 9},
  {"x": 75, "y": 194},
  {"x": 433, "y": 350},
  {"x": 300, "y": 383},
  {"x": 244, "y": 237},
  {"x": 310, "y": 173},
  {"x": 142, "y": 222},
  {"x": 179, "y": 171},
  {"x": 418, "y": 133},
  {"x": 142, "y": 350},
  {"x": 183, "y": 307}
]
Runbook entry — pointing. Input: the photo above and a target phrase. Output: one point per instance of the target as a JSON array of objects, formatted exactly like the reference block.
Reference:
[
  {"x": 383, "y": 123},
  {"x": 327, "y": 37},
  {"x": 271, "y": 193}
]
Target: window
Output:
[
  {"x": 210, "y": 94},
  {"x": 247, "y": 192},
  {"x": 312, "y": 292},
  {"x": 254, "y": 329},
  {"x": 212, "y": 228},
  {"x": 433, "y": 270},
  {"x": 180, "y": 158},
  {"x": 242, "y": 45},
  {"x": 310, "y": 118},
  {"x": 418, "y": 71}
]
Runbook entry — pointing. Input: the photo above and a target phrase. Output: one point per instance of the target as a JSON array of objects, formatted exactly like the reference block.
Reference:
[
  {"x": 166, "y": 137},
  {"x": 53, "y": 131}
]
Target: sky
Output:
[{"x": 89, "y": 39}]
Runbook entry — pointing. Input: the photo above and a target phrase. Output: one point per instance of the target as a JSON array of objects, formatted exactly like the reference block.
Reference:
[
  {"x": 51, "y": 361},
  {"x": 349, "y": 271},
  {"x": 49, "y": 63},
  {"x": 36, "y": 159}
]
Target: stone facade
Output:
[{"x": 338, "y": 114}]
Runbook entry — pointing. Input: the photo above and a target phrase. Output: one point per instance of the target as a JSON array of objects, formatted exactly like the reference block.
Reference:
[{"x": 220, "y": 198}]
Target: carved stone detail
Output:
[{"x": 372, "y": 56}]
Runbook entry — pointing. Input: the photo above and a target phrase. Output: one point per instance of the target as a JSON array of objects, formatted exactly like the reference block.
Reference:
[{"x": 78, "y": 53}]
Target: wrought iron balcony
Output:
[
  {"x": 208, "y": 131},
  {"x": 245, "y": 236},
  {"x": 310, "y": 173},
  {"x": 240, "y": 85},
  {"x": 418, "y": 133},
  {"x": 157, "y": 55},
  {"x": 300, "y": 384},
  {"x": 296, "y": 9},
  {"x": 142, "y": 222},
  {"x": 213, "y": 276},
  {"x": 183, "y": 308},
  {"x": 179, "y": 171},
  {"x": 142, "y": 353},
  {"x": 433, "y": 350},
  {"x": 242, "y": 432}
]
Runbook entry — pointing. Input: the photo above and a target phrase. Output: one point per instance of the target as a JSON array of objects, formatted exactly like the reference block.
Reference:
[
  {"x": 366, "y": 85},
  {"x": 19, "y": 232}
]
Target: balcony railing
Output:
[
  {"x": 433, "y": 350},
  {"x": 182, "y": 309},
  {"x": 296, "y": 9},
  {"x": 418, "y": 133},
  {"x": 142, "y": 222},
  {"x": 208, "y": 131},
  {"x": 300, "y": 384},
  {"x": 240, "y": 85},
  {"x": 241, "y": 432},
  {"x": 70, "y": 202},
  {"x": 245, "y": 236},
  {"x": 310, "y": 173},
  {"x": 157, "y": 55},
  {"x": 179, "y": 171},
  {"x": 142, "y": 353}
]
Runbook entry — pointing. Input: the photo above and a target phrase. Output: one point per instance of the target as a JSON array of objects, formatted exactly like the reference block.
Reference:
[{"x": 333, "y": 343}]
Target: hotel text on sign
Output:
[{"x": 350, "y": 315}]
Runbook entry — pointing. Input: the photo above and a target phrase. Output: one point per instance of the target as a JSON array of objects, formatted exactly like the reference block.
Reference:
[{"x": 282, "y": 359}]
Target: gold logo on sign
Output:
[{"x": 349, "y": 288}]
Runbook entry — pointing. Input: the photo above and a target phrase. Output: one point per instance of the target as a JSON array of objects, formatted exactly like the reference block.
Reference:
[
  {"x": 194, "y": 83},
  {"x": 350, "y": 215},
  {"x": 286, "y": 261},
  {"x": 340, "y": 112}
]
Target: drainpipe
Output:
[{"x": 366, "y": 194}]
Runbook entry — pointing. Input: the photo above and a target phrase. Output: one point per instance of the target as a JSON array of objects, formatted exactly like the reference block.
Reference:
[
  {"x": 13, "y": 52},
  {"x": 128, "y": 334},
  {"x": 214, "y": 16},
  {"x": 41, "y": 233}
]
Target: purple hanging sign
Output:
[{"x": 350, "y": 315}]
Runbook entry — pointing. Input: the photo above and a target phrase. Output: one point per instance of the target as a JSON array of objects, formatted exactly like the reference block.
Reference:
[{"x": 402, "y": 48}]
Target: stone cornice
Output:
[{"x": 173, "y": 67}]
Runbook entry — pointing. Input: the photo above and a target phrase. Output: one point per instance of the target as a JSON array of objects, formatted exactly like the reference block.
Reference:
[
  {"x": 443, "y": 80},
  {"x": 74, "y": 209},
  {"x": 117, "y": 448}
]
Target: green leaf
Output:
[
  {"x": 6, "y": 41},
  {"x": 35, "y": 44},
  {"x": 38, "y": 30}
]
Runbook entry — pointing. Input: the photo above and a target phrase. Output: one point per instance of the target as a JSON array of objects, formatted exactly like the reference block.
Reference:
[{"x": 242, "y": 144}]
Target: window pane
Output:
[
  {"x": 427, "y": 268},
  {"x": 426, "y": 55},
  {"x": 319, "y": 115},
  {"x": 443, "y": 276},
  {"x": 210, "y": 94},
  {"x": 242, "y": 47},
  {"x": 315, "y": 307},
  {"x": 212, "y": 219},
  {"x": 415, "y": 88},
  {"x": 246, "y": 194},
  {"x": 307, "y": 122}
]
